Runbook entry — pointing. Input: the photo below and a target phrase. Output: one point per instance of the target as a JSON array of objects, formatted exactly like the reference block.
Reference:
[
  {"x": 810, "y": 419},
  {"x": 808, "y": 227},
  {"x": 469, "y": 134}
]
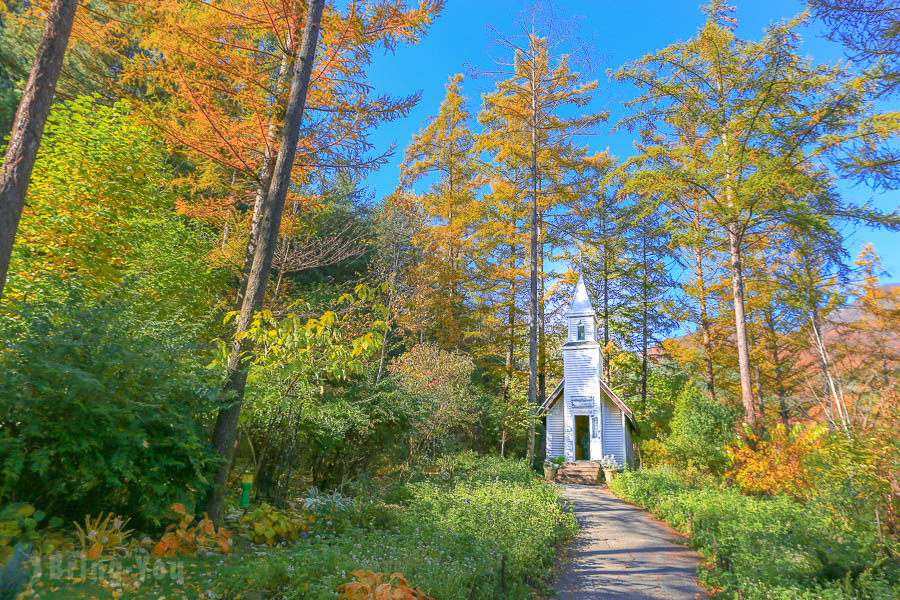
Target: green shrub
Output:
[
  {"x": 701, "y": 430},
  {"x": 97, "y": 411},
  {"x": 768, "y": 548},
  {"x": 492, "y": 468}
]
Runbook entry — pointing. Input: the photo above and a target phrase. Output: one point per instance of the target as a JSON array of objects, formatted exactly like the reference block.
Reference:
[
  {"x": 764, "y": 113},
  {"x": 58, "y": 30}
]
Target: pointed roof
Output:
[{"x": 581, "y": 304}]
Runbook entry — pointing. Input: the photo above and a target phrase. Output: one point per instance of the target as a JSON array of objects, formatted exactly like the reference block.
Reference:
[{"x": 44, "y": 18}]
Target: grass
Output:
[{"x": 142, "y": 577}]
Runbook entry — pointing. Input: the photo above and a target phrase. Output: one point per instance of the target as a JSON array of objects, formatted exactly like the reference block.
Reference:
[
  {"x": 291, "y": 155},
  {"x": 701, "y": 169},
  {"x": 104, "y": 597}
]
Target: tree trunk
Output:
[
  {"x": 704, "y": 323},
  {"x": 28, "y": 126},
  {"x": 511, "y": 323},
  {"x": 823, "y": 365},
  {"x": 607, "y": 368},
  {"x": 387, "y": 335},
  {"x": 542, "y": 340},
  {"x": 772, "y": 334},
  {"x": 269, "y": 225},
  {"x": 533, "y": 284},
  {"x": 759, "y": 391},
  {"x": 740, "y": 326},
  {"x": 644, "y": 309},
  {"x": 265, "y": 172}
]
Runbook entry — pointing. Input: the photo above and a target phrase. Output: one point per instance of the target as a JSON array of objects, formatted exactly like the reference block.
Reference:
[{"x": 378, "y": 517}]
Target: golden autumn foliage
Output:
[
  {"x": 449, "y": 211},
  {"x": 779, "y": 464}
]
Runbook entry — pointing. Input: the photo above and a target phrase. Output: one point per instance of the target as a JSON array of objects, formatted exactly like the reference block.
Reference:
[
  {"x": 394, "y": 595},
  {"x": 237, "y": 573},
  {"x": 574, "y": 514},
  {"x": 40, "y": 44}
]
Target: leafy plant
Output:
[
  {"x": 21, "y": 523},
  {"x": 609, "y": 463},
  {"x": 491, "y": 530},
  {"x": 71, "y": 362},
  {"x": 330, "y": 512},
  {"x": 102, "y": 534},
  {"x": 270, "y": 526},
  {"x": 184, "y": 538},
  {"x": 379, "y": 586},
  {"x": 779, "y": 464}
]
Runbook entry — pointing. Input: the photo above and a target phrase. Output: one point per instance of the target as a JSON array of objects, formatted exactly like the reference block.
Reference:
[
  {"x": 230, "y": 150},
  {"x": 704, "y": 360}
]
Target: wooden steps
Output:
[{"x": 587, "y": 473}]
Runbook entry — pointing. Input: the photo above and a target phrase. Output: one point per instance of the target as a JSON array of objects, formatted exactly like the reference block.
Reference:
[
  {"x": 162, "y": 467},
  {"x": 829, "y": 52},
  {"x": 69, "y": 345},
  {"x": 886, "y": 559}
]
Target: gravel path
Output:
[{"x": 622, "y": 552}]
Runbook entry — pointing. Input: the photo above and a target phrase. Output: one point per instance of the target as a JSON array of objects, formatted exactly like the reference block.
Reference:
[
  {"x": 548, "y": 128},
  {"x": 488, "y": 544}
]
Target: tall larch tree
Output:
[
  {"x": 441, "y": 161},
  {"x": 767, "y": 117},
  {"x": 531, "y": 120}
]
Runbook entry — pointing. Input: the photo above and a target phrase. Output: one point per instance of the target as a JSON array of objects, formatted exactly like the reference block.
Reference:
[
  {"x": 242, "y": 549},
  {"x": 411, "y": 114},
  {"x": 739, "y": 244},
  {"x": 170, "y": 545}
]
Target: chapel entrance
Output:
[{"x": 582, "y": 437}]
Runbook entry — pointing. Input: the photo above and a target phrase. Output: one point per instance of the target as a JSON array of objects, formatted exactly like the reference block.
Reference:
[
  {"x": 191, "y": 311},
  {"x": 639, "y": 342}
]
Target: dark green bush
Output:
[
  {"x": 701, "y": 430},
  {"x": 98, "y": 411},
  {"x": 768, "y": 548}
]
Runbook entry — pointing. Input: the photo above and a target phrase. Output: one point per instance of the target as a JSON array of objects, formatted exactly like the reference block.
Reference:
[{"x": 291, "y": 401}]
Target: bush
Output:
[
  {"x": 702, "y": 428},
  {"x": 768, "y": 548},
  {"x": 97, "y": 411},
  {"x": 440, "y": 381},
  {"x": 452, "y": 541}
]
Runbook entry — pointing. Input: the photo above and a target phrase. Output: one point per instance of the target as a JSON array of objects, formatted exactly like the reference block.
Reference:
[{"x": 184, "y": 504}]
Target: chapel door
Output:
[
  {"x": 582, "y": 437},
  {"x": 596, "y": 441}
]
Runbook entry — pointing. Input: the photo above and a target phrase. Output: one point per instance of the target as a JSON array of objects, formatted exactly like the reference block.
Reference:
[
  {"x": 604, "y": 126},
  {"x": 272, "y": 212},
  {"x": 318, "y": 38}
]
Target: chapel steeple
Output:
[{"x": 582, "y": 318}]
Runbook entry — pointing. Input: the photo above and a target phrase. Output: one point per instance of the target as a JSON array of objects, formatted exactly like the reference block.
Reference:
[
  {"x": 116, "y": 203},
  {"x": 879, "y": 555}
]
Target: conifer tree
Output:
[
  {"x": 764, "y": 116},
  {"x": 528, "y": 121},
  {"x": 441, "y": 156}
]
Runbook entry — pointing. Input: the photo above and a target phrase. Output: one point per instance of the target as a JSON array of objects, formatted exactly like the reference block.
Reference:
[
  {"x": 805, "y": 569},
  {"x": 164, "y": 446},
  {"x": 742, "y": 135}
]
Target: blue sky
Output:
[{"x": 461, "y": 40}]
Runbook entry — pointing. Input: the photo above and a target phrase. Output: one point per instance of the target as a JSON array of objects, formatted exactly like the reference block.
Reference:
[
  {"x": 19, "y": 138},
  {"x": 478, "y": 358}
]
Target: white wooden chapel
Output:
[{"x": 586, "y": 420}]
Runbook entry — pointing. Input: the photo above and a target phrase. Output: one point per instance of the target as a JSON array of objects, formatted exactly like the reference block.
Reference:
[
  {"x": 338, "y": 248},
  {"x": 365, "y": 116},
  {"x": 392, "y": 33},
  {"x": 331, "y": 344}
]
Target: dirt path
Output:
[{"x": 623, "y": 553}]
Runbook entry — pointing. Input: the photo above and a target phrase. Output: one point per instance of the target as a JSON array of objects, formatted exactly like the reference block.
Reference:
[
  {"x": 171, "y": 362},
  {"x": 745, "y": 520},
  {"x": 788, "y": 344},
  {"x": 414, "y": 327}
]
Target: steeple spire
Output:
[{"x": 581, "y": 303}]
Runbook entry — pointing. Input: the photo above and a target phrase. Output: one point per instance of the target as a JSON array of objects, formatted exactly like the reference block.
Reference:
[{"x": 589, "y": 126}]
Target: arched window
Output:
[{"x": 580, "y": 334}]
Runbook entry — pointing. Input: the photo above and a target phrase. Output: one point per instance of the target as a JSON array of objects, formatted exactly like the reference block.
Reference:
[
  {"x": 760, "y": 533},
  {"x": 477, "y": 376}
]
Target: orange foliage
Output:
[
  {"x": 184, "y": 538},
  {"x": 778, "y": 465},
  {"x": 213, "y": 77},
  {"x": 379, "y": 586}
]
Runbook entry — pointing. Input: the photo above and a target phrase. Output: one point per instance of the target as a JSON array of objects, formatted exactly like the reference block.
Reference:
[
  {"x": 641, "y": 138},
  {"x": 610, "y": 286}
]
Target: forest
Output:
[{"x": 221, "y": 351}]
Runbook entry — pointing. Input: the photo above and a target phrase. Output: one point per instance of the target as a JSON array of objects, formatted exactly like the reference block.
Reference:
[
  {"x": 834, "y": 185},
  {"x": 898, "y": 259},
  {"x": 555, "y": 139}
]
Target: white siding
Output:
[
  {"x": 613, "y": 431},
  {"x": 556, "y": 430},
  {"x": 581, "y": 368}
]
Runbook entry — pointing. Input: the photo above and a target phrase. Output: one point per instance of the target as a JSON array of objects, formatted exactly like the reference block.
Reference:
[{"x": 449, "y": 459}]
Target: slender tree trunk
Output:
[
  {"x": 757, "y": 378},
  {"x": 644, "y": 309},
  {"x": 607, "y": 368},
  {"x": 270, "y": 223},
  {"x": 268, "y": 163},
  {"x": 28, "y": 125},
  {"x": 759, "y": 391},
  {"x": 511, "y": 327},
  {"x": 779, "y": 371},
  {"x": 387, "y": 336},
  {"x": 533, "y": 284},
  {"x": 823, "y": 365},
  {"x": 542, "y": 341},
  {"x": 704, "y": 323},
  {"x": 740, "y": 326}
]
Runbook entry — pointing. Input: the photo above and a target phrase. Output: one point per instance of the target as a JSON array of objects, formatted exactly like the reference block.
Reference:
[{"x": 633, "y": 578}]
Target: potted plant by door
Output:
[
  {"x": 610, "y": 467},
  {"x": 551, "y": 466}
]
